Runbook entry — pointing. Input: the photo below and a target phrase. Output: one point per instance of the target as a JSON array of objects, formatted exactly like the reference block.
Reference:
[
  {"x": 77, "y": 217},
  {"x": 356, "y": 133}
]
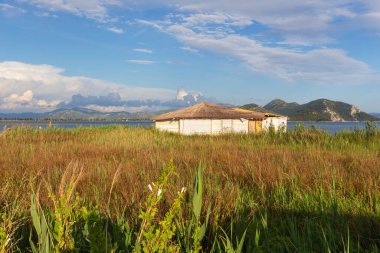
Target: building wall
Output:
[
  {"x": 204, "y": 126},
  {"x": 170, "y": 126},
  {"x": 276, "y": 122},
  {"x": 194, "y": 126},
  {"x": 255, "y": 126},
  {"x": 216, "y": 126},
  {"x": 220, "y": 126},
  {"x": 240, "y": 126}
]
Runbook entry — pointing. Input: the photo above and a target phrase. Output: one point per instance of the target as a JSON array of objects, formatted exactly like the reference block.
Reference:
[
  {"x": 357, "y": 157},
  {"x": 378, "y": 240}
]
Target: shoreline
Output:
[{"x": 147, "y": 120}]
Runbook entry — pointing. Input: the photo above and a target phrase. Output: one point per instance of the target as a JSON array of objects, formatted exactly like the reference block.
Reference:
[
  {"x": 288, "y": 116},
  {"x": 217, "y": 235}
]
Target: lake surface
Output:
[
  {"x": 331, "y": 127},
  {"x": 71, "y": 124}
]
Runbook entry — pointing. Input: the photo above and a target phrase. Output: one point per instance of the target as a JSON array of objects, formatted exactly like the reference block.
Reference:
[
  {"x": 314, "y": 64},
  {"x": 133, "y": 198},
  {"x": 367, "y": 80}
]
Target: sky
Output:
[{"x": 114, "y": 55}]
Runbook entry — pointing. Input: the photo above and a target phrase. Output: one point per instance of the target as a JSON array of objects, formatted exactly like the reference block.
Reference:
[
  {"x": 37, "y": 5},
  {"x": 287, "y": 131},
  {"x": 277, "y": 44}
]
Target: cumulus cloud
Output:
[
  {"x": 39, "y": 87},
  {"x": 78, "y": 100},
  {"x": 26, "y": 97},
  {"x": 113, "y": 102},
  {"x": 25, "y": 100}
]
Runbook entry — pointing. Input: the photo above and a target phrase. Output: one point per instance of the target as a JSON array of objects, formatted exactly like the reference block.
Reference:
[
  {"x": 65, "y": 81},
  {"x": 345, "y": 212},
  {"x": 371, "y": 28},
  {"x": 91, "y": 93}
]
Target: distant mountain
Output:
[
  {"x": 280, "y": 106},
  {"x": 77, "y": 114},
  {"x": 376, "y": 114},
  {"x": 255, "y": 107},
  {"x": 317, "y": 110},
  {"x": 23, "y": 115}
]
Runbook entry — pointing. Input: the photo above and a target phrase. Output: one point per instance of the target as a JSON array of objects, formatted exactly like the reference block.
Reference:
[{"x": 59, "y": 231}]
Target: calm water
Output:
[
  {"x": 331, "y": 127},
  {"x": 44, "y": 124}
]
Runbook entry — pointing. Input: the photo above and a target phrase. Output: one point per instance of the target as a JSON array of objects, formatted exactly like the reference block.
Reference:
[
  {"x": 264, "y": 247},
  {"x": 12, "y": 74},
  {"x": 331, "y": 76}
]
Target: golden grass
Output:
[{"x": 122, "y": 161}]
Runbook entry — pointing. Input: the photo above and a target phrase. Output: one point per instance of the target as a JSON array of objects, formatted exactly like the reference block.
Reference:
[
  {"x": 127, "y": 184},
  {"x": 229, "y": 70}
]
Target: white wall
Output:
[
  {"x": 213, "y": 126},
  {"x": 195, "y": 126},
  {"x": 277, "y": 123},
  {"x": 240, "y": 126},
  {"x": 216, "y": 126},
  {"x": 170, "y": 126}
]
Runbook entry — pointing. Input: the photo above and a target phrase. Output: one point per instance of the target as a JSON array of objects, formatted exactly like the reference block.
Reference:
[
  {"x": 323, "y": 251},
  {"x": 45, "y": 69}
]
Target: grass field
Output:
[{"x": 90, "y": 190}]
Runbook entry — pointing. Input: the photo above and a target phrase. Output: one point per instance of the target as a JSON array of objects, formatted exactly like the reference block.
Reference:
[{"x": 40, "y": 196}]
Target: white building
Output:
[{"x": 208, "y": 118}]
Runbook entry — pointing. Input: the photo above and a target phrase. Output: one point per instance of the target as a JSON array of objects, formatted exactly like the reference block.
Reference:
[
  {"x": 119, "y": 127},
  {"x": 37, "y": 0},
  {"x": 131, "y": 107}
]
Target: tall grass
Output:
[{"x": 86, "y": 189}]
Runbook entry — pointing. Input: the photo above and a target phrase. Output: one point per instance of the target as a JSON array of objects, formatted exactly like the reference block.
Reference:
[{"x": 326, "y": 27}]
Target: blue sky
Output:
[{"x": 233, "y": 51}]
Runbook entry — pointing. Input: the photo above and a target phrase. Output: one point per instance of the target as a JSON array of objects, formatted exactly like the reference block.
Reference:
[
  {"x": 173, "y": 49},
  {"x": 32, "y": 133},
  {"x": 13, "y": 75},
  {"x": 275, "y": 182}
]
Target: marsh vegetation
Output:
[{"x": 91, "y": 190}]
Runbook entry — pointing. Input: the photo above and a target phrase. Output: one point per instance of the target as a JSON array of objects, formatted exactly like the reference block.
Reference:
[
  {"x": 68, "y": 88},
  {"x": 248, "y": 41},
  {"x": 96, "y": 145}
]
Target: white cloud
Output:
[
  {"x": 297, "y": 22},
  {"x": 116, "y": 30},
  {"x": 143, "y": 50},
  {"x": 141, "y": 62},
  {"x": 10, "y": 11},
  {"x": 190, "y": 49},
  {"x": 26, "y": 101},
  {"x": 39, "y": 87},
  {"x": 26, "y": 97},
  {"x": 93, "y": 9},
  {"x": 330, "y": 66},
  {"x": 218, "y": 18},
  {"x": 45, "y": 14},
  {"x": 126, "y": 108},
  {"x": 217, "y": 26}
]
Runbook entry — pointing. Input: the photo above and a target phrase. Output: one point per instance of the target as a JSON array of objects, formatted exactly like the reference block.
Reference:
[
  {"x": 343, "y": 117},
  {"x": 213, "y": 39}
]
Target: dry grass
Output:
[
  {"x": 30, "y": 157},
  {"x": 298, "y": 174}
]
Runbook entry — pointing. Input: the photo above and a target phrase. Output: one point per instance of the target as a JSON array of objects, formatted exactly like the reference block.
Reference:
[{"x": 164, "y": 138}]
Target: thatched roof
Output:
[
  {"x": 265, "y": 114},
  {"x": 206, "y": 110}
]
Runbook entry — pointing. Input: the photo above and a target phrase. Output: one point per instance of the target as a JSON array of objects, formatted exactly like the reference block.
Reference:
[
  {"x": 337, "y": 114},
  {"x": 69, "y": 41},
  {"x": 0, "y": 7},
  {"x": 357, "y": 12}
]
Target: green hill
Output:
[
  {"x": 254, "y": 107},
  {"x": 78, "y": 114},
  {"x": 317, "y": 110}
]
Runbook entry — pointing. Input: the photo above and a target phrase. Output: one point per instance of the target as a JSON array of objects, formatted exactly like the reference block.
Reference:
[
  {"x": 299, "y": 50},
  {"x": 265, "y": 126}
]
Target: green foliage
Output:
[
  {"x": 226, "y": 245},
  {"x": 371, "y": 129},
  {"x": 8, "y": 228},
  {"x": 154, "y": 237},
  {"x": 94, "y": 231},
  {"x": 65, "y": 215},
  {"x": 41, "y": 226},
  {"x": 192, "y": 232}
]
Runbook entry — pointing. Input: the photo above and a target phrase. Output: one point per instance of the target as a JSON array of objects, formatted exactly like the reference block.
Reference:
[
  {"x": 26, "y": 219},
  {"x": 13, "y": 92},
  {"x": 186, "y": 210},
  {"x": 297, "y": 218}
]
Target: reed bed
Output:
[{"x": 86, "y": 190}]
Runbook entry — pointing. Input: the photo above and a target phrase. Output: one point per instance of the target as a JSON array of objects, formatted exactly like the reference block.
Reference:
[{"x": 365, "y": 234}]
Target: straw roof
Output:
[
  {"x": 265, "y": 114},
  {"x": 206, "y": 110}
]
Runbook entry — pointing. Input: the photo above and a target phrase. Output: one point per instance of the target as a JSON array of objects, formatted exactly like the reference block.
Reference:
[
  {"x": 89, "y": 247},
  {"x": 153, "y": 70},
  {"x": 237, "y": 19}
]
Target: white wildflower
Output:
[
  {"x": 159, "y": 192},
  {"x": 150, "y": 187},
  {"x": 183, "y": 189}
]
